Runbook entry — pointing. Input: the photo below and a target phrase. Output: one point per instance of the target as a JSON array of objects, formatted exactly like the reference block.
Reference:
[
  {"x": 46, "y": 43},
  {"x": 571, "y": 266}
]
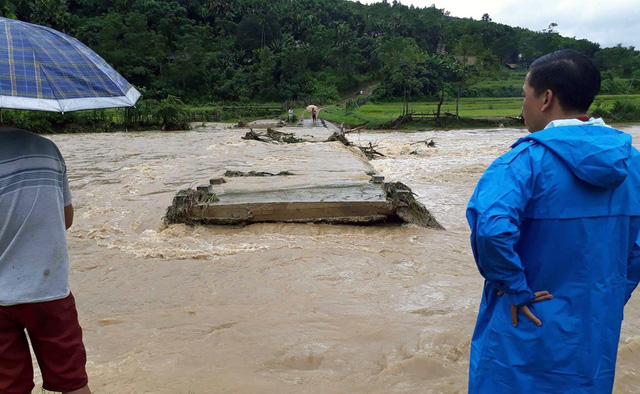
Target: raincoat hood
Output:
[{"x": 598, "y": 155}]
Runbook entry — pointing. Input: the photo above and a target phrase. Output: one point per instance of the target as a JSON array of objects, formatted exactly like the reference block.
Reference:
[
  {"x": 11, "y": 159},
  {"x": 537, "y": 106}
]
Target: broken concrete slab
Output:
[{"x": 333, "y": 183}]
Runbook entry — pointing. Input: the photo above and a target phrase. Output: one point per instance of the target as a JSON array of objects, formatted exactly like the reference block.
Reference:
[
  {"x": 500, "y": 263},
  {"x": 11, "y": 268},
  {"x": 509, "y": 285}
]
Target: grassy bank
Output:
[
  {"x": 171, "y": 114},
  {"x": 474, "y": 111},
  {"x": 167, "y": 114},
  {"x": 509, "y": 84}
]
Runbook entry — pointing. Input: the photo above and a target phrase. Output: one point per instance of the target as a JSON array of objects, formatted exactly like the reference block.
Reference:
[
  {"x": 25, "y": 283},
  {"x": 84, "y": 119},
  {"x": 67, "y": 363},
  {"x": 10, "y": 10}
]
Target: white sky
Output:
[{"x": 607, "y": 22}]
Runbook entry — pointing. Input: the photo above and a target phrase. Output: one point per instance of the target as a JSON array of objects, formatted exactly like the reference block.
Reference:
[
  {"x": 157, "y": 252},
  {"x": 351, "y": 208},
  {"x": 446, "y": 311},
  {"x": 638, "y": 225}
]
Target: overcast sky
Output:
[{"x": 607, "y": 22}]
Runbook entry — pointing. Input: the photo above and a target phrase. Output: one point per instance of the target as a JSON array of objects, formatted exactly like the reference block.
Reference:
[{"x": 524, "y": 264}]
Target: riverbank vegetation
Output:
[
  {"x": 473, "y": 112},
  {"x": 171, "y": 114}
]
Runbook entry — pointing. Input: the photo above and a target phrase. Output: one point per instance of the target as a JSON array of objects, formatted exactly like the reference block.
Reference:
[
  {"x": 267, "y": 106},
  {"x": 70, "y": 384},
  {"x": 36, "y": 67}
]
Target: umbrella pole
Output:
[{"x": 1, "y": 117}]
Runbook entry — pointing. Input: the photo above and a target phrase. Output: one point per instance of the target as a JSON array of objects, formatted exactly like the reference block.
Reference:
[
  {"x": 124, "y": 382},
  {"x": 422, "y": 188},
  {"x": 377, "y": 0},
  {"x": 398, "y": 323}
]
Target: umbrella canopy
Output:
[
  {"x": 45, "y": 70},
  {"x": 310, "y": 107}
]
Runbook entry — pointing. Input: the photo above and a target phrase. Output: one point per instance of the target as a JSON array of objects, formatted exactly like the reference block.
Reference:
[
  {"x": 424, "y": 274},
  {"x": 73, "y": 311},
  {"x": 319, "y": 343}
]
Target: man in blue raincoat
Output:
[{"x": 554, "y": 231}]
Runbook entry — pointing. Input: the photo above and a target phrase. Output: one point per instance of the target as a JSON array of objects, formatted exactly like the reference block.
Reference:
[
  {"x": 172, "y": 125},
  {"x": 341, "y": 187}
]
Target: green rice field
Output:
[{"x": 381, "y": 113}]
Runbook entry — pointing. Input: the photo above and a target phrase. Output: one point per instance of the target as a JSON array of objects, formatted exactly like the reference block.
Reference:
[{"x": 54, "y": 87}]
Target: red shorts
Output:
[{"x": 56, "y": 338}]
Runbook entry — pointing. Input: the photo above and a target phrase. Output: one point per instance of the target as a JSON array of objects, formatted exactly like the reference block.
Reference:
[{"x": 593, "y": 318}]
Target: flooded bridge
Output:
[{"x": 309, "y": 172}]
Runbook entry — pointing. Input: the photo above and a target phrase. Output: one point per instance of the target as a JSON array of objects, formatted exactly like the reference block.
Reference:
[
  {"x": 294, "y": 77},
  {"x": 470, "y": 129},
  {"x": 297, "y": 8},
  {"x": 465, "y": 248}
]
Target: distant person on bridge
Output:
[
  {"x": 314, "y": 112},
  {"x": 555, "y": 226}
]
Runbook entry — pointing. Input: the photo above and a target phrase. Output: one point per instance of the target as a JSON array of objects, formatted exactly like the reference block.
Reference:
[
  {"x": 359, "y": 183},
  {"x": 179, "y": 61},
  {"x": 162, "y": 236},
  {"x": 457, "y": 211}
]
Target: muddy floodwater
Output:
[{"x": 279, "y": 308}]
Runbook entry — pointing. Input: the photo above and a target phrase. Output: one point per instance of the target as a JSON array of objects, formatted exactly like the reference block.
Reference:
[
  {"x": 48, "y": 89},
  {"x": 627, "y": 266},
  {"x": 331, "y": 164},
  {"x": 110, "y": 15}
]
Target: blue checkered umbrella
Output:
[{"x": 43, "y": 69}]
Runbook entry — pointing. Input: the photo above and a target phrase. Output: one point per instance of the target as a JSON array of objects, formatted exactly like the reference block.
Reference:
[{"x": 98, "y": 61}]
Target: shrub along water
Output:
[
  {"x": 621, "y": 111},
  {"x": 167, "y": 114}
]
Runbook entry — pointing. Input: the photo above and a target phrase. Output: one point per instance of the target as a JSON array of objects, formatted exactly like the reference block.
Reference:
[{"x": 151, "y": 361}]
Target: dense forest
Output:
[{"x": 205, "y": 51}]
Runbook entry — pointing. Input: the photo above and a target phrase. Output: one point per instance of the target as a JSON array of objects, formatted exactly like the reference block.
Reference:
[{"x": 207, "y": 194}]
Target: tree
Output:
[
  {"x": 505, "y": 46},
  {"x": 468, "y": 46},
  {"x": 258, "y": 32},
  {"x": 486, "y": 18},
  {"x": 7, "y": 9},
  {"x": 264, "y": 72},
  {"x": 127, "y": 43},
  {"x": 441, "y": 76},
  {"x": 400, "y": 58},
  {"x": 52, "y": 13},
  {"x": 294, "y": 82},
  {"x": 623, "y": 61}
]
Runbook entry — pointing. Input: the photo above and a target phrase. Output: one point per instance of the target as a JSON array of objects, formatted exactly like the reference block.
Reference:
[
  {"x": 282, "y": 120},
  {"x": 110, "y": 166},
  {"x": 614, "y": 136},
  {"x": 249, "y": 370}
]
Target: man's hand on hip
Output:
[{"x": 540, "y": 296}]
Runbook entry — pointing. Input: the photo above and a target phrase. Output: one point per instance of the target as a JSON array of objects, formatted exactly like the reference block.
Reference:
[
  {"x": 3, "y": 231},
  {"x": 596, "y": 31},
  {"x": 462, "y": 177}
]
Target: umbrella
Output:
[
  {"x": 43, "y": 69},
  {"x": 310, "y": 107}
]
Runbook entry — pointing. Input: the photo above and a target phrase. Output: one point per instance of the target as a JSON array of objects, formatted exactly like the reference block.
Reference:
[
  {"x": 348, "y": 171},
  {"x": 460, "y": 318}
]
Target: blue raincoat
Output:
[{"x": 559, "y": 212}]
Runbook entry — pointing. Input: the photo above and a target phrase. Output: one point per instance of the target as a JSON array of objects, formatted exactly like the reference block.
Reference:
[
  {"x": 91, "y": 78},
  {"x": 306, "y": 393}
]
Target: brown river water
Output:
[{"x": 279, "y": 308}]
